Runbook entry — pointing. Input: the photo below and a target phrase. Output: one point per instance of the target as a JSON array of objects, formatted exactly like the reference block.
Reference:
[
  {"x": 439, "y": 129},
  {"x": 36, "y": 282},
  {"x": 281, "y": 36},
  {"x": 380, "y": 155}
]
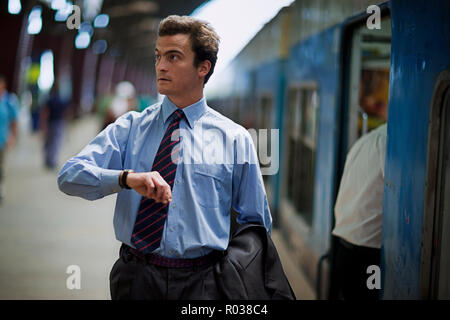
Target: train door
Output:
[
  {"x": 365, "y": 92},
  {"x": 442, "y": 280},
  {"x": 368, "y": 87},
  {"x": 435, "y": 257}
]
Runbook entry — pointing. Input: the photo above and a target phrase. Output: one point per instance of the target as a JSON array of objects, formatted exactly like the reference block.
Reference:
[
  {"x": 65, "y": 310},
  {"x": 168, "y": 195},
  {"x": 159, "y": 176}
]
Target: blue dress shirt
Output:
[{"x": 219, "y": 169}]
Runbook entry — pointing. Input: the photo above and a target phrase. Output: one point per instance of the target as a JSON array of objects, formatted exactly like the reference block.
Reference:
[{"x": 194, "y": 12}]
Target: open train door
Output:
[
  {"x": 365, "y": 61},
  {"x": 435, "y": 256}
]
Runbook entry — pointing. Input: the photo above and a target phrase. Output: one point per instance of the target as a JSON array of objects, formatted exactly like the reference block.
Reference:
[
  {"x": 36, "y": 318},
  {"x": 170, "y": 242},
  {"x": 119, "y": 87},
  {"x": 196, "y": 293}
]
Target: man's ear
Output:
[{"x": 203, "y": 68}]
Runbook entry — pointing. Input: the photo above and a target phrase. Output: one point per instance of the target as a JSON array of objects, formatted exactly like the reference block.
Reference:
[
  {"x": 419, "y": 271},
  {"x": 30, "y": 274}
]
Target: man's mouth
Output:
[{"x": 163, "y": 79}]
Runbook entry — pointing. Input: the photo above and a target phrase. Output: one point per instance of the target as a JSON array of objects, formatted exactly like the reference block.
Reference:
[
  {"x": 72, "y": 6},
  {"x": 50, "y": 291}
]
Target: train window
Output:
[
  {"x": 302, "y": 133},
  {"x": 266, "y": 112},
  {"x": 369, "y": 79}
]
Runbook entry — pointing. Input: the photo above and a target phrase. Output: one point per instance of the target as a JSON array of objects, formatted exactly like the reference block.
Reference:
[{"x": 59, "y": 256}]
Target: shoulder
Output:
[
  {"x": 12, "y": 100},
  {"x": 136, "y": 118},
  {"x": 381, "y": 134},
  {"x": 232, "y": 129},
  {"x": 154, "y": 108},
  {"x": 373, "y": 138},
  {"x": 369, "y": 147}
]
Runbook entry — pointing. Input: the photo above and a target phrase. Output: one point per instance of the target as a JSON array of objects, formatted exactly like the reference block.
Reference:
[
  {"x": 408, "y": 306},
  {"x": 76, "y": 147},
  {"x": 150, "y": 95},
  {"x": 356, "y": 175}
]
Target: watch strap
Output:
[{"x": 123, "y": 182}]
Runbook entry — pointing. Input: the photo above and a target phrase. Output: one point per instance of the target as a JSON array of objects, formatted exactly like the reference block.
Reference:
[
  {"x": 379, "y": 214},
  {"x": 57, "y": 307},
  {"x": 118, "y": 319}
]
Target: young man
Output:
[{"x": 178, "y": 167}]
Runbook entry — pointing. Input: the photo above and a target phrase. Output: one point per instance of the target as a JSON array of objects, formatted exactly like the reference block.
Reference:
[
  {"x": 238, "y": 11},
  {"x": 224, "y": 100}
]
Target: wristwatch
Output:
[{"x": 123, "y": 179}]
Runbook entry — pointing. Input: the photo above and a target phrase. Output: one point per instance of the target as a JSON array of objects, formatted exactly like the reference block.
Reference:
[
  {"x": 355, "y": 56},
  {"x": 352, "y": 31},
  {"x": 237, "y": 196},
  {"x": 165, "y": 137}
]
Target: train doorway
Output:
[
  {"x": 442, "y": 281},
  {"x": 366, "y": 63},
  {"x": 435, "y": 257}
]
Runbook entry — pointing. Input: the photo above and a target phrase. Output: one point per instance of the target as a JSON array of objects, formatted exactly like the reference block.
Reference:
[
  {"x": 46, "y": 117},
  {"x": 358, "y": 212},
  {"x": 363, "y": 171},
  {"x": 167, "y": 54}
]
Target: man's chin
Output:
[{"x": 162, "y": 91}]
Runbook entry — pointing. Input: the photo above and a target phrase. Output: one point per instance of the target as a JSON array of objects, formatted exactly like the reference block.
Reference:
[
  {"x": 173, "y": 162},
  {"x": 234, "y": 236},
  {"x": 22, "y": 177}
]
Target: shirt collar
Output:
[{"x": 193, "y": 112}]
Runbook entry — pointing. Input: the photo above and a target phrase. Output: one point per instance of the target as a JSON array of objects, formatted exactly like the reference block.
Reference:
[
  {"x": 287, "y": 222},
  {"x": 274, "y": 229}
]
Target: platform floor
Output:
[{"x": 43, "y": 231}]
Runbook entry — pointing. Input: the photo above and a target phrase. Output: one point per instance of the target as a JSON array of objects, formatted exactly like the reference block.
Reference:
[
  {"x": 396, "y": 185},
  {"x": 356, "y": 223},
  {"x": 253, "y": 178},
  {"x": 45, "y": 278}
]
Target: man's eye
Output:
[
  {"x": 157, "y": 57},
  {"x": 173, "y": 57}
]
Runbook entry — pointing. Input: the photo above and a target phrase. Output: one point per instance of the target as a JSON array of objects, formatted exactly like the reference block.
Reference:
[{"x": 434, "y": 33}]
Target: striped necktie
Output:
[{"x": 151, "y": 216}]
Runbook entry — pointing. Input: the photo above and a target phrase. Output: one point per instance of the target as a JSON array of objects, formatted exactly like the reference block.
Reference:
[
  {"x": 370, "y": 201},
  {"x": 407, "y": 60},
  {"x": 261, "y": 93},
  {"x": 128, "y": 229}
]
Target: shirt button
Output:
[
  {"x": 174, "y": 205},
  {"x": 171, "y": 229},
  {"x": 170, "y": 251}
]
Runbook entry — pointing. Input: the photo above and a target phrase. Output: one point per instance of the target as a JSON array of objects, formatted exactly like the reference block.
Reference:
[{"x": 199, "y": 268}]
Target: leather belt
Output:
[{"x": 127, "y": 252}]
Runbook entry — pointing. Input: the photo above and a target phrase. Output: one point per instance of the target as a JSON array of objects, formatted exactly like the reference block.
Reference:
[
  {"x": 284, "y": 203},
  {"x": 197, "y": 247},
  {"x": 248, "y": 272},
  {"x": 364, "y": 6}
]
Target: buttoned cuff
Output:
[{"x": 110, "y": 181}]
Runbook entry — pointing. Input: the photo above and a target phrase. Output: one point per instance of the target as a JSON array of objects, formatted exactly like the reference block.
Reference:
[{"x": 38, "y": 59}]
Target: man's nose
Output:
[{"x": 161, "y": 65}]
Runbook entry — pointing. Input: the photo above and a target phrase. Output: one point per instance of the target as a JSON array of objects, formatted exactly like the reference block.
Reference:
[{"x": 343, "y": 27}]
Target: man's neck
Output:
[{"x": 185, "y": 101}]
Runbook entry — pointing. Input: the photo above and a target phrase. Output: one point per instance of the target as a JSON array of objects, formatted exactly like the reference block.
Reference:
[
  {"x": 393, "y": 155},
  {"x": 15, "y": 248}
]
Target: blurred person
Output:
[
  {"x": 32, "y": 82},
  {"x": 8, "y": 125},
  {"x": 173, "y": 217},
  {"x": 358, "y": 215},
  {"x": 123, "y": 101},
  {"x": 101, "y": 106},
  {"x": 53, "y": 124}
]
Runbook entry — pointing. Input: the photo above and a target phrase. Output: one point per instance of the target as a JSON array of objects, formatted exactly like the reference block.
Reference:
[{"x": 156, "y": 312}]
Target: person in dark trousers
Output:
[
  {"x": 53, "y": 124},
  {"x": 178, "y": 168},
  {"x": 358, "y": 213}
]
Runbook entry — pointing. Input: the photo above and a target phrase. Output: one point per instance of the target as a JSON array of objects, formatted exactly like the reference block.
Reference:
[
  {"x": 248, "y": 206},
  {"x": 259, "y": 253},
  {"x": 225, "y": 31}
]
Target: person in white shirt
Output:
[{"x": 358, "y": 216}]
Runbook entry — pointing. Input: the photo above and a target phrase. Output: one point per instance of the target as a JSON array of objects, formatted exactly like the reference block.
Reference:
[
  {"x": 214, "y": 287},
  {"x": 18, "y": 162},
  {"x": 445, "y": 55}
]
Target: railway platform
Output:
[{"x": 45, "y": 234}]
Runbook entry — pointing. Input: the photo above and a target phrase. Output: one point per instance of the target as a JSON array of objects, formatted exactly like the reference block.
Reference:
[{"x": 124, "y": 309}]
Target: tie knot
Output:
[{"x": 176, "y": 115}]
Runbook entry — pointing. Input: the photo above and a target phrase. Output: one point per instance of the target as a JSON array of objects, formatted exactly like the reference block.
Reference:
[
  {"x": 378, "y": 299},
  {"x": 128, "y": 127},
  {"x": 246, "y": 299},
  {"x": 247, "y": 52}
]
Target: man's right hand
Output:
[{"x": 150, "y": 185}]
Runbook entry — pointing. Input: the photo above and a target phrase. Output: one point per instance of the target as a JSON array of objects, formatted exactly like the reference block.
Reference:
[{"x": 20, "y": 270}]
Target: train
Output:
[{"x": 324, "y": 73}]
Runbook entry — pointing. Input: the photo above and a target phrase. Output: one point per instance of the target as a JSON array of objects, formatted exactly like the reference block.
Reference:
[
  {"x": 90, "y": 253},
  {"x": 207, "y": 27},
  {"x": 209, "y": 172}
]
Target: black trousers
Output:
[
  {"x": 350, "y": 271},
  {"x": 132, "y": 278}
]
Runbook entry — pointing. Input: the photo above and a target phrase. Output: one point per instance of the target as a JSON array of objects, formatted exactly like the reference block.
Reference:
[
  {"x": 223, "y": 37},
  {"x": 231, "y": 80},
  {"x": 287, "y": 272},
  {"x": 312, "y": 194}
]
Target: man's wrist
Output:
[{"x": 123, "y": 178}]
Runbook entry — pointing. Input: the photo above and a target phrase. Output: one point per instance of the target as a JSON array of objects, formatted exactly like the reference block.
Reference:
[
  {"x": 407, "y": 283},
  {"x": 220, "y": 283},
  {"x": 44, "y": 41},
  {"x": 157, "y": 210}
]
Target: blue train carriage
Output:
[
  {"x": 321, "y": 76},
  {"x": 416, "y": 205},
  {"x": 289, "y": 77}
]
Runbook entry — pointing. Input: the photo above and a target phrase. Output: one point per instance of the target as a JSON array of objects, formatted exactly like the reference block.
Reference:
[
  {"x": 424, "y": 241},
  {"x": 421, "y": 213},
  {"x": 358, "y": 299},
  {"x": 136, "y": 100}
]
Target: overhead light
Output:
[
  {"x": 63, "y": 13},
  {"x": 101, "y": 21},
  {"x": 58, "y": 4},
  {"x": 91, "y": 8},
  {"x": 99, "y": 46},
  {"x": 86, "y": 27},
  {"x": 82, "y": 40},
  {"x": 46, "y": 75},
  {"x": 14, "y": 6},
  {"x": 35, "y": 20}
]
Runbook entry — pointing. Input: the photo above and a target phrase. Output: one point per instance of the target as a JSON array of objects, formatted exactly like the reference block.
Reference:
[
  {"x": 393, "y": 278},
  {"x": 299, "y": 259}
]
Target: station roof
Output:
[
  {"x": 133, "y": 24},
  {"x": 132, "y": 28}
]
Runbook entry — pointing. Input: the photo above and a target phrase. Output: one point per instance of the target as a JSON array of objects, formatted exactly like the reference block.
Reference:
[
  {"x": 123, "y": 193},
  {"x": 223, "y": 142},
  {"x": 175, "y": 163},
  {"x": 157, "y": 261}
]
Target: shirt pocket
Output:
[{"x": 210, "y": 181}]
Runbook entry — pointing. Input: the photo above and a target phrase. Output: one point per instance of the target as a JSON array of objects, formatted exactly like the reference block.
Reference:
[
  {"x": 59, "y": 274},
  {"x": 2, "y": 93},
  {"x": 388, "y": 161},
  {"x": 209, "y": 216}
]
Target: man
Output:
[
  {"x": 358, "y": 213},
  {"x": 8, "y": 125},
  {"x": 174, "y": 221}
]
